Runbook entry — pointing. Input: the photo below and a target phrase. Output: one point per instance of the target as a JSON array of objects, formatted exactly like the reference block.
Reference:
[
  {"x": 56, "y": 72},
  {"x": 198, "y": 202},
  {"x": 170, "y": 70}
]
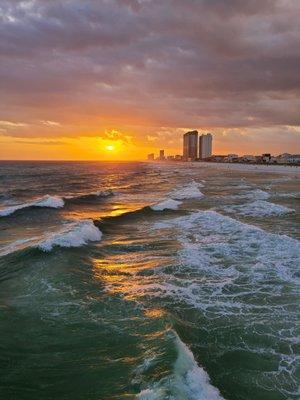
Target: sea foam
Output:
[
  {"x": 189, "y": 191},
  {"x": 188, "y": 380},
  {"x": 45, "y": 201},
  {"x": 168, "y": 204},
  {"x": 74, "y": 234},
  {"x": 259, "y": 208}
]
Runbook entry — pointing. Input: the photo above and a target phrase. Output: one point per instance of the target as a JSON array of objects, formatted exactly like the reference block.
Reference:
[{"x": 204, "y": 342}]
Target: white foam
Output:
[
  {"x": 258, "y": 194},
  {"x": 45, "y": 201},
  {"x": 255, "y": 194},
  {"x": 189, "y": 191},
  {"x": 74, "y": 234},
  {"x": 103, "y": 193},
  {"x": 259, "y": 208},
  {"x": 168, "y": 204},
  {"x": 99, "y": 193},
  {"x": 188, "y": 380}
]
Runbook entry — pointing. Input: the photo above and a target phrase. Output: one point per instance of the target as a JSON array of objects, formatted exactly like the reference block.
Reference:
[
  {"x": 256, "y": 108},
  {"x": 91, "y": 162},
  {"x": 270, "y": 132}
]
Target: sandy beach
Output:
[{"x": 277, "y": 169}]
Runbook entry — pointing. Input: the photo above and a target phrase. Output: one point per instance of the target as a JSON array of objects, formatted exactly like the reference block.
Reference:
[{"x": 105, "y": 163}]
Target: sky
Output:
[{"x": 117, "y": 79}]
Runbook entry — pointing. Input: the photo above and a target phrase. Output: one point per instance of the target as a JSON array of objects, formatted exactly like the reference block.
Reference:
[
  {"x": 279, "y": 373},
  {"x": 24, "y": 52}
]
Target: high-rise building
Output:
[
  {"x": 190, "y": 146},
  {"x": 205, "y": 146},
  {"x": 150, "y": 157},
  {"x": 161, "y": 154}
]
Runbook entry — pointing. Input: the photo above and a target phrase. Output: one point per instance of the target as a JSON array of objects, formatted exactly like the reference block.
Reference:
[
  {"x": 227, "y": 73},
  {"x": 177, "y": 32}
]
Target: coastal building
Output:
[
  {"x": 248, "y": 158},
  {"x": 266, "y": 157},
  {"x": 205, "y": 146},
  {"x": 231, "y": 158},
  {"x": 150, "y": 157},
  {"x": 161, "y": 155},
  {"x": 190, "y": 146}
]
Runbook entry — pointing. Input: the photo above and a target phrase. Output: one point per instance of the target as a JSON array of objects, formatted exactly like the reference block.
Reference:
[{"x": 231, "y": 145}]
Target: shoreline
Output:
[{"x": 274, "y": 169}]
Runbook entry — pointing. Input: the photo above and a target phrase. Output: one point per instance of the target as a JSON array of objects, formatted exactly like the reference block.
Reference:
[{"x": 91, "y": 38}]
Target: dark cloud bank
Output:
[{"x": 144, "y": 65}]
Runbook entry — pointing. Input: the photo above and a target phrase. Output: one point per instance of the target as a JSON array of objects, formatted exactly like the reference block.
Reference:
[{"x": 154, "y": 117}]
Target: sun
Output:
[{"x": 110, "y": 147}]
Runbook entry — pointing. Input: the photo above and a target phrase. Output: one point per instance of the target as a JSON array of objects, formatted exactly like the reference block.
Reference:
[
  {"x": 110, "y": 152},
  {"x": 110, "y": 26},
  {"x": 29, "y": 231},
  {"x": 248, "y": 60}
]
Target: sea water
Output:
[{"x": 148, "y": 281}]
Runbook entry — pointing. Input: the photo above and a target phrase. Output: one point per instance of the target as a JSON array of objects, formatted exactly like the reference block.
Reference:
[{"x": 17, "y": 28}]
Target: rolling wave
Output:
[
  {"x": 72, "y": 234},
  {"x": 259, "y": 208},
  {"x": 48, "y": 201},
  {"x": 189, "y": 191},
  {"x": 188, "y": 380},
  {"x": 45, "y": 201}
]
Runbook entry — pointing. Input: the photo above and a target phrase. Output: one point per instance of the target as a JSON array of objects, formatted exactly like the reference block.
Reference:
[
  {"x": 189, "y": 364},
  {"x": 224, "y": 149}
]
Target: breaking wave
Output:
[
  {"x": 88, "y": 197},
  {"x": 189, "y": 191},
  {"x": 48, "y": 201},
  {"x": 168, "y": 204},
  {"x": 259, "y": 208},
  {"x": 74, "y": 234},
  {"x": 188, "y": 381},
  {"x": 45, "y": 201}
]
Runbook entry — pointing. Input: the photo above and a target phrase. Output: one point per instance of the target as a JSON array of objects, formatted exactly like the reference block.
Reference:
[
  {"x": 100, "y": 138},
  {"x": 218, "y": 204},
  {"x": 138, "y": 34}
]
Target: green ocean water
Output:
[{"x": 148, "y": 281}]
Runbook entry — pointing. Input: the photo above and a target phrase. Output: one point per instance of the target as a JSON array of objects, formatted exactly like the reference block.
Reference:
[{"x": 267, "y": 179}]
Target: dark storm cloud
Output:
[{"x": 176, "y": 63}]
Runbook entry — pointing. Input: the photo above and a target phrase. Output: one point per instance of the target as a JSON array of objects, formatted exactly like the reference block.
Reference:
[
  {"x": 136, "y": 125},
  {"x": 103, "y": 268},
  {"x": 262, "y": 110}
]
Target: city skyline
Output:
[{"x": 117, "y": 80}]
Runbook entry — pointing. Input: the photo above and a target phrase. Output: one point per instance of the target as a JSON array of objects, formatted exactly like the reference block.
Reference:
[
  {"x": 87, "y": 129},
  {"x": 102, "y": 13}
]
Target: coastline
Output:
[{"x": 275, "y": 169}]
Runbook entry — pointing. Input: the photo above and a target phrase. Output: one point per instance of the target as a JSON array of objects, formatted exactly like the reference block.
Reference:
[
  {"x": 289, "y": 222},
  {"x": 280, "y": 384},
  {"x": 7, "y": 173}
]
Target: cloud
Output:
[
  {"x": 115, "y": 135},
  {"x": 51, "y": 123},
  {"x": 150, "y": 67},
  {"x": 10, "y": 124}
]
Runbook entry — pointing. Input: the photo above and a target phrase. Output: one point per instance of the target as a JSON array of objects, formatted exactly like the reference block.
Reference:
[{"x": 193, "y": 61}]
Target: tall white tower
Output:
[{"x": 205, "y": 146}]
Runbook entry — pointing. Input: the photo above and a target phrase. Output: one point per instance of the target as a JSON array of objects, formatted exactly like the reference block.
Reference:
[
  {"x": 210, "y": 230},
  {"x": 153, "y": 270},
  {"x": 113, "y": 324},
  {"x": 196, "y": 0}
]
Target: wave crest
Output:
[
  {"x": 168, "y": 204},
  {"x": 74, "y": 234},
  {"x": 45, "y": 201},
  {"x": 188, "y": 381},
  {"x": 189, "y": 191}
]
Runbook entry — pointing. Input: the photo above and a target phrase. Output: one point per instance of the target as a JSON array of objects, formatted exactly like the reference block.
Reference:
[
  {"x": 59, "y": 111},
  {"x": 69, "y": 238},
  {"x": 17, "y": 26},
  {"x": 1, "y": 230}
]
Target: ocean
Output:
[{"x": 148, "y": 281}]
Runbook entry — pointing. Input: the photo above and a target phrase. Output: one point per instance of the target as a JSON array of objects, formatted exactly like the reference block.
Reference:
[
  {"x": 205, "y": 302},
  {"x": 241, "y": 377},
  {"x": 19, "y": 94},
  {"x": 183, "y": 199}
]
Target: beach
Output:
[{"x": 274, "y": 169}]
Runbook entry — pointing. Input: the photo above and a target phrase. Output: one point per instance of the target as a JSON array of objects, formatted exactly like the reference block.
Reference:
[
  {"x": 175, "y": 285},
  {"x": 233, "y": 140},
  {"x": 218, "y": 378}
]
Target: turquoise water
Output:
[{"x": 148, "y": 281}]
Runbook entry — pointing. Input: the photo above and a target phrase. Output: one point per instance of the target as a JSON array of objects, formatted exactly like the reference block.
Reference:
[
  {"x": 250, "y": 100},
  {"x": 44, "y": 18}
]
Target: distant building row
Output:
[
  {"x": 265, "y": 158},
  {"x": 194, "y": 147}
]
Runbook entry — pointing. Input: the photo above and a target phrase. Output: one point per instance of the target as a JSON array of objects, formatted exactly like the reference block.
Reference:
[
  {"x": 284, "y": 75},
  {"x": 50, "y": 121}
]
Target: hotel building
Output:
[
  {"x": 190, "y": 146},
  {"x": 205, "y": 146}
]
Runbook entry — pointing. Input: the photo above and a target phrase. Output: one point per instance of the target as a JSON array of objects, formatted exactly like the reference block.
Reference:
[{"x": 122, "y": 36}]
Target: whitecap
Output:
[
  {"x": 45, "y": 201},
  {"x": 74, "y": 234},
  {"x": 188, "y": 380},
  {"x": 189, "y": 191},
  {"x": 259, "y": 208},
  {"x": 168, "y": 204}
]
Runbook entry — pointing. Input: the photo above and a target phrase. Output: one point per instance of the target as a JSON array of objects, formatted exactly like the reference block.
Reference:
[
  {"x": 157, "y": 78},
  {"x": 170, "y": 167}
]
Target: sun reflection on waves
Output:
[{"x": 127, "y": 278}]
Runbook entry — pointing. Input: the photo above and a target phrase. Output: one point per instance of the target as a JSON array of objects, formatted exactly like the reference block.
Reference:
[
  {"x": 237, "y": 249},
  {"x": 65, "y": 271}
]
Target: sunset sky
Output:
[{"x": 117, "y": 79}]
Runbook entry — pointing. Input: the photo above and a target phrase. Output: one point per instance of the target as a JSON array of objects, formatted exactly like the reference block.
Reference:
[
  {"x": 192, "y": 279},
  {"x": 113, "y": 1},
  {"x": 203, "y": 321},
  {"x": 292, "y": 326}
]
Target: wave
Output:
[
  {"x": 259, "y": 208},
  {"x": 45, "y": 201},
  {"x": 228, "y": 249},
  {"x": 48, "y": 201},
  {"x": 168, "y": 204},
  {"x": 188, "y": 381},
  {"x": 72, "y": 234},
  {"x": 146, "y": 211},
  {"x": 255, "y": 194},
  {"x": 189, "y": 191},
  {"x": 258, "y": 194},
  {"x": 88, "y": 197}
]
